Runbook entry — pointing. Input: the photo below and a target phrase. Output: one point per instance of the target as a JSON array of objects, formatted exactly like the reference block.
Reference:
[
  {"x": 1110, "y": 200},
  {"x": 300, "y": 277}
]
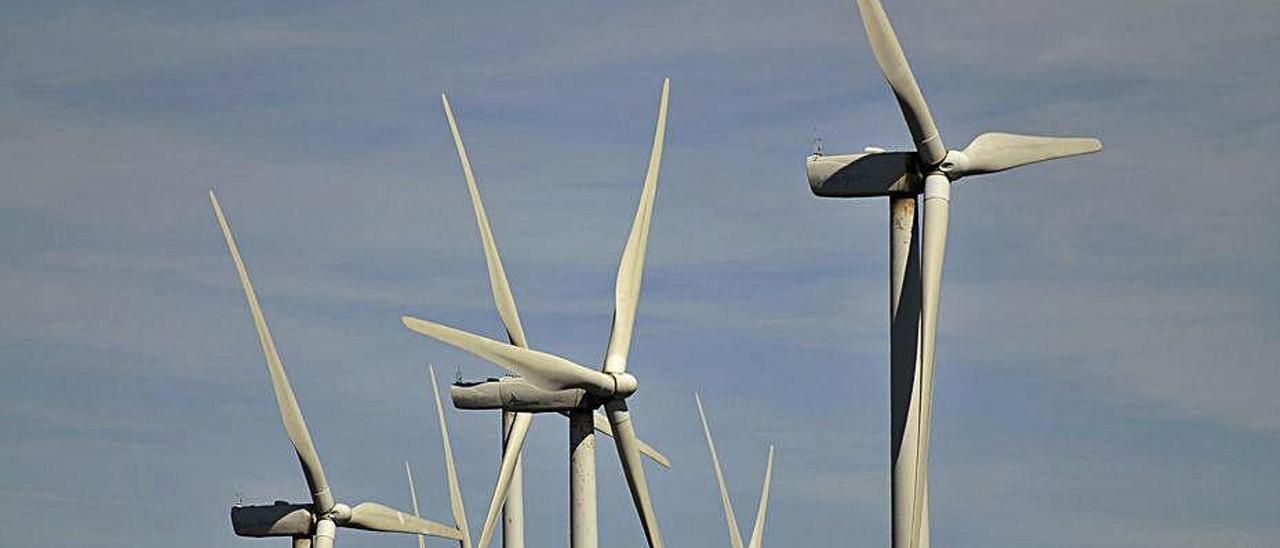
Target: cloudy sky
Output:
[{"x": 1109, "y": 330}]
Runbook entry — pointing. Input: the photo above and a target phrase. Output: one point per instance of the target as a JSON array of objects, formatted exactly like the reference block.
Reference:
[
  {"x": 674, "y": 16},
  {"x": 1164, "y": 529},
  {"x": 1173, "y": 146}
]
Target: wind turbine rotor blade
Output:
[
  {"x": 631, "y": 270},
  {"x": 301, "y": 542},
  {"x": 455, "y": 491},
  {"x": 602, "y": 426},
  {"x": 510, "y": 457},
  {"x": 290, "y": 413},
  {"x": 326, "y": 533},
  {"x": 545, "y": 370},
  {"x": 893, "y": 63},
  {"x": 624, "y": 438},
  {"x": 735, "y": 534},
  {"x": 937, "y": 204},
  {"x": 502, "y": 295},
  {"x": 413, "y": 494},
  {"x": 992, "y": 152},
  {"x": 757, "y": 532},
  {"x": 372, "y": 516}
]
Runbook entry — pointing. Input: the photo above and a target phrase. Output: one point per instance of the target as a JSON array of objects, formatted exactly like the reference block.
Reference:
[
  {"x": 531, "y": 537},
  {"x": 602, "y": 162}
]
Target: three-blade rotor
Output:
[
  {"x": 325, "y": 511},
  {"x": 612, "y": 384}
]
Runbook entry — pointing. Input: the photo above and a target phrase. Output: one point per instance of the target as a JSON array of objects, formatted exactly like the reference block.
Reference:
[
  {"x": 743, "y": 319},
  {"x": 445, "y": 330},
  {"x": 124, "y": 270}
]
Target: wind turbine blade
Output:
[
  {"x": 757, "y": 533},
  {"x": 631, "y": 270},
  {"x": 602, "y": 426},
  {"x": 937, "y": 204},
  {"x": 290, "y": 413},
  {"x": 455, "y": 491},
  {"x": 372, "y": 516},
  {"x": 624, "y": 438},
  {"x": 301, "y": 542},
  {"x": 992, "y": 152},
  {"x": 510, "y": 457},
  {"x": 548, "y": 371},
  {"x": 502, "y": 295},
  {"x": 413, "y": 494},
  {"x": 893, "y": 63},
  {"x": 326, "y": 533},
  {"x": 735, "y": 534}
]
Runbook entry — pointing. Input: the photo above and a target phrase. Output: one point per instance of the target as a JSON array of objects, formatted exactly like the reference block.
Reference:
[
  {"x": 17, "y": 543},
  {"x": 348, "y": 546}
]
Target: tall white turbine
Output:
[
  {"x": 916, "y": 273},
  {"x": 549, "y": 383},
  {"x": 488, "y": 395},
  {"x": 762, "y": 511},
  {"x": 312, "y": 524}
]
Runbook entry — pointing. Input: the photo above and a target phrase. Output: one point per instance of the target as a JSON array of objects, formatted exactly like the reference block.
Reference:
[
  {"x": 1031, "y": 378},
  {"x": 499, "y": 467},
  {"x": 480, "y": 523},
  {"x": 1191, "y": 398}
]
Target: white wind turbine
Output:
[
  {"x": 517, "y": 400},
  {"x": 451, "y": 470},
  {"x": 735, "y": 534},
  {"x": 549, "y": 383},
  {"x": 916, "y": 272},
  {"x": 313, "y": 524}
]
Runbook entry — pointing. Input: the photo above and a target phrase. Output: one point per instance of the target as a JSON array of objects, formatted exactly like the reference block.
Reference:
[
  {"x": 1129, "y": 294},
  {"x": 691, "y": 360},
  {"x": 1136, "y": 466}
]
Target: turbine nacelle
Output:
[
  {"x": 518, "y": 395},
  {"x": 874, "y": 173},
  {"x": 281, "y": 519},
  {"x": 879, "y": 173}
]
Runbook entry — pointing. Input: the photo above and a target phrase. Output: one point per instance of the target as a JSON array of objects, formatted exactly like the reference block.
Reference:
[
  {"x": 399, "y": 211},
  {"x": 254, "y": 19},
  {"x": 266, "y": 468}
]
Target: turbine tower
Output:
[
  {"x": 735, "y": 534},
  {"x": 915, "y": 273},
  {"x": 313, "y": 524},
  {"x": 548, "y": 383}
]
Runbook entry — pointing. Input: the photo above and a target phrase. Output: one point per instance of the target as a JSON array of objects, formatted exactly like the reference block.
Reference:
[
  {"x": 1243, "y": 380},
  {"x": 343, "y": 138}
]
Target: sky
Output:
[{"x": 1108, "y": 338}]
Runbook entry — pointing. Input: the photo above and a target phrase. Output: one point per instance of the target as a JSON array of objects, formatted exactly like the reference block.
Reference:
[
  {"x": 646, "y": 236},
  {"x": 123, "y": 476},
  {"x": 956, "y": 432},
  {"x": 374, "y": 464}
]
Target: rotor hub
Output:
[
  {"x": 955, "y": 164},
  {"x": 624, "y": 384},
  {"x": 340, "y": 513}
]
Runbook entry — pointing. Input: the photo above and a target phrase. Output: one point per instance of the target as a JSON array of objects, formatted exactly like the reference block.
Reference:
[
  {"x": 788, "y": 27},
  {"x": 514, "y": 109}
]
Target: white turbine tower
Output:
[
  {"x": 916, "y": 274},
  {"x": 312, "y": 524},
  {"x": 735, "y": 534},
  {"x": 549, "y": 383},
  {"x": 451, "y": 473}
]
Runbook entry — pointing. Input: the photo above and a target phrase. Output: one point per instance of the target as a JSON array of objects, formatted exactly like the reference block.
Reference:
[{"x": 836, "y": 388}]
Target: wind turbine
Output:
[
  {"x": 549, "y": 383},
  {"x": 509, "y": 394},
  {"x": 313, "y": 524},
  {"x": 735, "y": 536},
  {"x": 916, "y": 273},
  {"x": 451, "y": 472}
]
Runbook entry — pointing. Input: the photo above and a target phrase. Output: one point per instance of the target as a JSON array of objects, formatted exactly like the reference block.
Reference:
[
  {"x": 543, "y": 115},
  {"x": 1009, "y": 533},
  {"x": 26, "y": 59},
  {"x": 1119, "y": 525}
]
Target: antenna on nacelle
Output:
[{"x": 817, "y": 142}]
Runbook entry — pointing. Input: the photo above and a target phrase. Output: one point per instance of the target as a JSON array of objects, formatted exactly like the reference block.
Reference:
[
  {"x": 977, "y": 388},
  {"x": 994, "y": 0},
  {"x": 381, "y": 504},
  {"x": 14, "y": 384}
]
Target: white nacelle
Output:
[
  {"x": 276, "y": 520},
  {"x": 863, "y": 175},
  {"x": 517, "y": 394}
]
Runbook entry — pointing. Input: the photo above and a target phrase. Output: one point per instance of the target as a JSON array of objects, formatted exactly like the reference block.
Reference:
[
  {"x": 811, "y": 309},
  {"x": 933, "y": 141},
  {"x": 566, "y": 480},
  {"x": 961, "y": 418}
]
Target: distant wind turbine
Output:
[
  {"x": 549, "y": 383},
  {"x": 315, "y": 524},
  {"x": 735, "y": 534},
  {"x": 451, "y": 472}
]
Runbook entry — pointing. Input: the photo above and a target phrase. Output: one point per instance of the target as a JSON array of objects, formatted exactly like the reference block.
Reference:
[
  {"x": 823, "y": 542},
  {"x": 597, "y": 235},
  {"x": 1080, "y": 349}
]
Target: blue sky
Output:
[{"x": 1107, "y": 359}]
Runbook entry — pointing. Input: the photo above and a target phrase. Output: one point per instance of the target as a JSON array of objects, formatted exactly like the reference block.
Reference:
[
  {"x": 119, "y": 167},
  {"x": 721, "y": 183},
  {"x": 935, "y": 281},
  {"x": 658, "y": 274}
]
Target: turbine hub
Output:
[
  {"x": 341, "y": 513},
  {"x": 624, "y": 384},
  {"x": 955, "y": 164}
]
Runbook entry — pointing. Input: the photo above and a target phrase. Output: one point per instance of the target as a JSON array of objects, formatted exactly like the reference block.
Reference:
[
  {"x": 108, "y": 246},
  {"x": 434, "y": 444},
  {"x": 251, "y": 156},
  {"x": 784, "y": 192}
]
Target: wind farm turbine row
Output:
[
  {"x": 543, "y": 383},
  {"x": 596, "y": 399}
]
